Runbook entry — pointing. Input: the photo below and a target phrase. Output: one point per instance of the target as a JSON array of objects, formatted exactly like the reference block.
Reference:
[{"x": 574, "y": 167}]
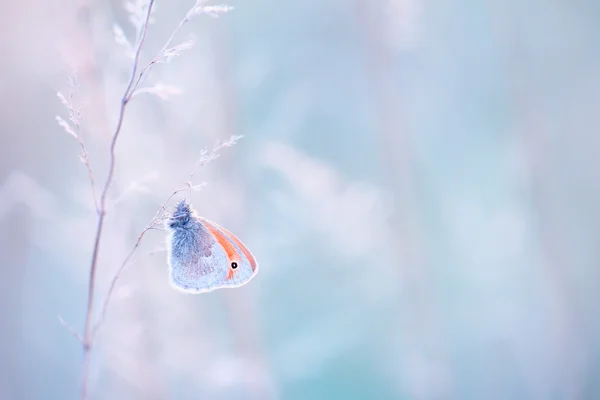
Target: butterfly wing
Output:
[
  {"x": 236, "y": 252},
  {"x": 197, "y": 262}
]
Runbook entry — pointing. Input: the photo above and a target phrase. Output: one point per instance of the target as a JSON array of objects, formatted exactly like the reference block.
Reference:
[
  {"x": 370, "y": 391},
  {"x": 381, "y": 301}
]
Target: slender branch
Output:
[
  {"x": 155, "y": 220},
  {"x": 205, "y": 157},
  {"x": 161, "y": 54},
  {"x": 175, "y": 32},
  {"x": 87, "y": 338},
  {"x": 69, "y": 328},
  {"x": 91, "y": 328}
]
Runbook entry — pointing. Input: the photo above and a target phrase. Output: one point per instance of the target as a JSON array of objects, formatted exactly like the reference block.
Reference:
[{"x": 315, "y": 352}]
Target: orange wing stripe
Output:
[
  {"x": 237, "y": 241},
  {"x": 241, "y": 246},
  {"x": 227, "y": 246}
]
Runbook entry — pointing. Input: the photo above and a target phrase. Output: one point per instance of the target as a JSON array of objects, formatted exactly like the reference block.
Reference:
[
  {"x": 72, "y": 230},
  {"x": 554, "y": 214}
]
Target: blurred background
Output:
[{"x": 418, "y": 180}]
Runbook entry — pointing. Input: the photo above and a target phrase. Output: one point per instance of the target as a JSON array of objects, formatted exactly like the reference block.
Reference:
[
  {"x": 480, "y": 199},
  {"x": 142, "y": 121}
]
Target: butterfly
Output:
[{"x": 204, "y": 256}]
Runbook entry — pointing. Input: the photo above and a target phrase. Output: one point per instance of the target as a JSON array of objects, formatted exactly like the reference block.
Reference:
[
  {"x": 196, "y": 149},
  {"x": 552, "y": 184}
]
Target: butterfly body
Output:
[{"x": 204, "y": 256}]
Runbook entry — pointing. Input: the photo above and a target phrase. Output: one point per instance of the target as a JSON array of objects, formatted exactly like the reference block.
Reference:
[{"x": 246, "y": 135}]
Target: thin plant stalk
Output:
[
  {"x": 87, "y": 336},
  {"x": 135, "y": 80}
]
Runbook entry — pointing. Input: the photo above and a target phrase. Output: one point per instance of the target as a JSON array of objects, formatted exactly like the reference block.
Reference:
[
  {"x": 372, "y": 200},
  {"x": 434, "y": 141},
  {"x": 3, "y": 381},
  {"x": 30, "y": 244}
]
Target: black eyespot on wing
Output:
[{"x": 234, "y": 265}]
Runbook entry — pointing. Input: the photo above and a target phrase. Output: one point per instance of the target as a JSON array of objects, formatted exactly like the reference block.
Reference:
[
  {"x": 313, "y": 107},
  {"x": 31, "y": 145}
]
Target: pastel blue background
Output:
[{"x": 418, "y": 180}]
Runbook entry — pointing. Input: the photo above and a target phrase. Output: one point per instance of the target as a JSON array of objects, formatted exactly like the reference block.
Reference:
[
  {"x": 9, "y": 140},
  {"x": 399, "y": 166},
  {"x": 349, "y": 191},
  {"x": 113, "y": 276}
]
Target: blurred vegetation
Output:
[{"x": 418, "y": 181}]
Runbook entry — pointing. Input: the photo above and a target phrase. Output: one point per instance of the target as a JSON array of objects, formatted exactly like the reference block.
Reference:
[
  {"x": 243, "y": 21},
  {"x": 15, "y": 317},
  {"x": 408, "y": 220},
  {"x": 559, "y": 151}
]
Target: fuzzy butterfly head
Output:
[
  {"x": 182, "y": 217},
  {"x": 204, "y": 256}
]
